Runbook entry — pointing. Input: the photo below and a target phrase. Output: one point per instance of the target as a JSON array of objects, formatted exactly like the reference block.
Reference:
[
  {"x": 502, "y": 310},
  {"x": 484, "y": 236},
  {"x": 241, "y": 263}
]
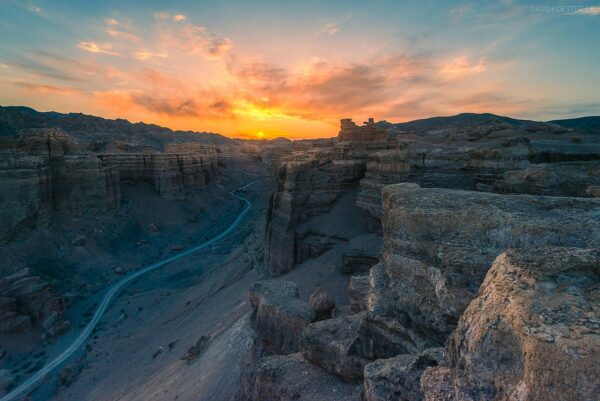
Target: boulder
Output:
[
  {"x": 279, "y": 315},
  {"x": 532, "y": 333},
  {"x": 343, "y": 346},
  {"x": 360, "y": 254},
  {"x": 79, "y": 240},
  {"x": 398, "y": 378}
]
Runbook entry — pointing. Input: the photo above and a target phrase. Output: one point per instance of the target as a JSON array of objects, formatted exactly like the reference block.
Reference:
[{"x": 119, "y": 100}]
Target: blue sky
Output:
[{"x": 294, "y": 68}]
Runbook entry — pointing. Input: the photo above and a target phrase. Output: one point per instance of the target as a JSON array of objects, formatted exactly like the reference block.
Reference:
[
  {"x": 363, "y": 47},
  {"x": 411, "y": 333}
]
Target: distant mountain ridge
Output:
[
  {"x": 86, "y": 128},
  {"x": 463, "y": 120},
  {"x": 590, "y": 124}
]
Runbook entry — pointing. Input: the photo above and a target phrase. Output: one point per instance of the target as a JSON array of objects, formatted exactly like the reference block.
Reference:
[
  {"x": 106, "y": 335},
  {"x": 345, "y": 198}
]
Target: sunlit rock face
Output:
[
  {"x": 368, "y": 133},
  {"x": 439, "y": 243},
  {"x": 531, "y": 333}
]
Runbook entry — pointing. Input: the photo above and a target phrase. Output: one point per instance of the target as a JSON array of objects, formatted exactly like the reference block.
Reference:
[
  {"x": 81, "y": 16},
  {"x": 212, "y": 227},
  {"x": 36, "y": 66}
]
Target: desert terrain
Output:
[{"x": 451, "y": 258}]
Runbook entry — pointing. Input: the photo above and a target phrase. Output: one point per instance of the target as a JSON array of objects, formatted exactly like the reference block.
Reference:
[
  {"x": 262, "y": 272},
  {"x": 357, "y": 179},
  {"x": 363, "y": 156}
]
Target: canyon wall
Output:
[
  {"x": 43, "y": 171},
  {"x": 306, "y": 187},
  {"x": 485, "y": 286},
  {"x": 502, "y": 160}
]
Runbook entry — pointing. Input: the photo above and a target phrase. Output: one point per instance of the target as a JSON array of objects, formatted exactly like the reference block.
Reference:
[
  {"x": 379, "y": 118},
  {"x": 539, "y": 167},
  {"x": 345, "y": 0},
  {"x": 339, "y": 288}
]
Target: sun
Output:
[{"x": 260, "y": 135}]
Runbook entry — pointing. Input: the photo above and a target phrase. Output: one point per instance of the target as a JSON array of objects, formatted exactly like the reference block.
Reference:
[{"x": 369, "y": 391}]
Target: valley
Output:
[{"x": 388, "y": 263}]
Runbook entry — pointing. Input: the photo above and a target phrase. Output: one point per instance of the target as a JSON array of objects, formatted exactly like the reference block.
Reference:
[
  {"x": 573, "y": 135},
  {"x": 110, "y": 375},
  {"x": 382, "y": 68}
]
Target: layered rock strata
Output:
[
  {"x": 44, "y": 170},
  {"x": 439, "y": 244},
  {"x": 305, "y": 188},
  {"x": 515, "y": 166}
]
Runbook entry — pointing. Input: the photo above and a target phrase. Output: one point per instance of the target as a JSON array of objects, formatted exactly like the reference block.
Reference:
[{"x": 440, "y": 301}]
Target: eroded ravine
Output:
[{"x": 28, "y": 384}]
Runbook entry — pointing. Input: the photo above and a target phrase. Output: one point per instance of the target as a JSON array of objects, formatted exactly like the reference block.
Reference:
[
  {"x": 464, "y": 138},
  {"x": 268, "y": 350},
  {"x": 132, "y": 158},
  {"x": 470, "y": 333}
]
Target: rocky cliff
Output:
[
  {"x": 41, "y": 171},
  {"x": 45, "y": 170},
  {"x": 492, "y": 157},
  {"x": 532, "y": 333},
  {"x": 439, "y": 244},
  {"x": 306, "y": 187},
  {"x": 513, "y": 195}
]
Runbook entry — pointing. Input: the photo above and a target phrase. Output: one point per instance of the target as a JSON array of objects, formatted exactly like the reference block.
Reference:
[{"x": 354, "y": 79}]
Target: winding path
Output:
[{"x": 113, "y": 291}]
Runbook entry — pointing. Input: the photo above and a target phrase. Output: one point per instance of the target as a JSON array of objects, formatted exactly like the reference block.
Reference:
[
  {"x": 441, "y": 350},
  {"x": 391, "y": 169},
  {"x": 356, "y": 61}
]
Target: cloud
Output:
[
  {"x": 143, "y": 55},
  {"x": 41, "y": 68},
  {"x": 462, "y": 65},
  {"x": 93, "y": 47},
  {"x": 116, "y": 29},
  {"x": 171, "y": 107},
  {"x": 47, "y": 89},
  {"x": 33, "y": 8},
  {"x": 590, "y": 10},
  {"x": 179, "y": 17},
  {"x": 329, "y": 29},
  {"x": 195, "y": 40},
  {"x": 461, "y": 11}
]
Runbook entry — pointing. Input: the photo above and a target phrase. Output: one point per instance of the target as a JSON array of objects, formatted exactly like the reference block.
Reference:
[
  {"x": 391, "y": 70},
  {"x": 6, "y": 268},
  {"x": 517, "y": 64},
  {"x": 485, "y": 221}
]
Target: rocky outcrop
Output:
[
  {"x": 291, "y": 377},
  {"x": 343, "y": 346},
  {"x": 170, "y": 173},
  {"x": 335, "y": 345},
  {"x": 515, "y": 165},
  {"x": 305, "y": 188},
  {"x": 532, "y": 333},
  {"x": 439, "y": 244},
  {"x": 27, "y": 301},
  {"x": 368, "y": 133},
  {"x": 278, "y": 315},
  {"x": 398, "y": 378}
]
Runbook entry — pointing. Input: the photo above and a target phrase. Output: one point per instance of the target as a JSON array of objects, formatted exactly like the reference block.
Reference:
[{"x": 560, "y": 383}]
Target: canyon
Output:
[{"x": 452, "y": 258}]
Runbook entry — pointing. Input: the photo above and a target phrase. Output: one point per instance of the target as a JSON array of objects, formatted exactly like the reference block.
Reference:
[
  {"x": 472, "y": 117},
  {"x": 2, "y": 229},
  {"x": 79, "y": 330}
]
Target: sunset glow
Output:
[{"x": 268, "y": 70}]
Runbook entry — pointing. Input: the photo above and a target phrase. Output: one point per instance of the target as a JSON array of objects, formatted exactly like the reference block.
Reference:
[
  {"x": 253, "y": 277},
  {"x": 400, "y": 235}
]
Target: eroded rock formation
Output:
[
  {"x": 532, "y": 333},
  {"x": 439, "y": 244},
  {"x": 468, "y": 192},
  {"x": 305, "y": 188}
]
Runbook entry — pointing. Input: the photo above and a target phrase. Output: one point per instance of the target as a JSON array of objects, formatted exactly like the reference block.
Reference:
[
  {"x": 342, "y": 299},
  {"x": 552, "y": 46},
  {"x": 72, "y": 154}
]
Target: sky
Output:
[{"x": 290, "y": 68}]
